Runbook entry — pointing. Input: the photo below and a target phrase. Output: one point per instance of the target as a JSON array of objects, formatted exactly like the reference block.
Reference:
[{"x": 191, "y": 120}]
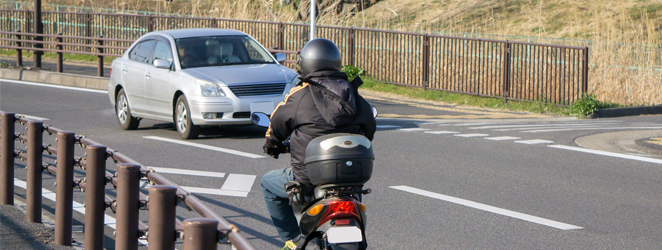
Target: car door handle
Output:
[
  {"x": 124, "y": 70},
  {"x": 148, "y": 75}
]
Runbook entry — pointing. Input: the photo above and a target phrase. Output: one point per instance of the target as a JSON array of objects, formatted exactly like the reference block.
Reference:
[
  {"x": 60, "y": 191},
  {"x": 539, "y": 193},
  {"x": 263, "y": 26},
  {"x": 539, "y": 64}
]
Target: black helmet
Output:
[{"x": 319, "y": 55}]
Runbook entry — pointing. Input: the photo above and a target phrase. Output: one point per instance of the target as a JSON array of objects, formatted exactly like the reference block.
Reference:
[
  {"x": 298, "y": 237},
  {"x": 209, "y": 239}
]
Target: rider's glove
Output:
[{"x": 273, "y": 148}]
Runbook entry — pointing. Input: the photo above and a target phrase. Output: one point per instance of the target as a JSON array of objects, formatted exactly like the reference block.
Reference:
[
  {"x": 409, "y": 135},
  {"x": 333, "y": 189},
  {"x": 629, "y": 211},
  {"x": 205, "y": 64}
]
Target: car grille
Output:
[
  {"x": 239, "y": 115},
  {"x": 258, "y": 89}
]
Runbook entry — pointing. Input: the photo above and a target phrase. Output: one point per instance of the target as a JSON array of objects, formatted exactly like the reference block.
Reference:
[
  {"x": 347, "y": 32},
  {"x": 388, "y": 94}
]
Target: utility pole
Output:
[
  {"x": 39, "y": 29},
  {"x": 312, "y": 19}
]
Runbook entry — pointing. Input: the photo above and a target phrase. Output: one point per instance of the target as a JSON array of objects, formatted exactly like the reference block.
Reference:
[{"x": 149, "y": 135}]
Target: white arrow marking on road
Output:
[
  {"x": 239, "y": 182},
  {"x": 198, "y": 145},
  {"x": 488, "y": 208}
]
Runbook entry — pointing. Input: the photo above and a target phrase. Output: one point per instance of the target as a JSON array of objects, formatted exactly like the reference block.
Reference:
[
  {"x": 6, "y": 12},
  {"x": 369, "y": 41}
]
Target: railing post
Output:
[
  {"x": 100, "y": 58},
  {"x": 34, "y": 164},
  {"x": 64, "y": 189},
  {"x": 281, "y": 36},
  {"x": 88, "y": 30},
  {"x": 39, "y": 29},
  {"x": 95, "y": 187},
  {"x": 200, "y": 234},
  {"x": 585, "y": 72},
  {"x": 505, "y": 90},
  {"x": 351, "y": 46},
  {"x": 19, "y": 52},
  {"x": 59, "y": 53},
  {"x": 7, "y": 158},
  {"x": 150, "y": 23},
  {"x": 162, "y": 209},
  {"x": 128, "y": 205},
  {"x": 426, "y": 61}
]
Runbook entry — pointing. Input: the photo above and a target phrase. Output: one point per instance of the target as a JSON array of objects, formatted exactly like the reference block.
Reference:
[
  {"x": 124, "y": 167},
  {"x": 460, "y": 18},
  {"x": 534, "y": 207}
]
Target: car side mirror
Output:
[
  {"x": 260, "y": 119},
  {"x": 280, "y": 57},
  {"x": 374, "y": 112},
  {"x": 161, "y": 64}
]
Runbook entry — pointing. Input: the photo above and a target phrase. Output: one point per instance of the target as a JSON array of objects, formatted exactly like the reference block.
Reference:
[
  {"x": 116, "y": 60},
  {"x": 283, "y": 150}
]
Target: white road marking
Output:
[
  {"x": 473, "y": 124},
  {"x": 536, "y": 141},
  {"x": 441, "y": 132},
  {"x": 426, "y": 123},
  {"x": 502, "y": 138},
  {"x": 198, "y": 145},
  {"x": 471, "y": 135},
  {"x": 55, "y": 86},
  {"x": 388, "y": 126},
  {"x": 36, "y": 118},
  {"x": 617, "y": 155},
  {"x": 214, "y": 191},
  {"x": 188, "y": 172},
  {"x": 534, "y": 125},
  {"x": 597, "y": 128},
  {"x": 239, "y": 182},
  {"x": 488, "y": 208},
  {"x": 413, "y": 129},
  {"x": 78, "y": 207}
]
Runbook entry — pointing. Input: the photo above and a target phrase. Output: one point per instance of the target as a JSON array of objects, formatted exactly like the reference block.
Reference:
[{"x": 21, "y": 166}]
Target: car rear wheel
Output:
[
  {"x": 182, "y": 120},
  {"x": 122, "y": 110}
]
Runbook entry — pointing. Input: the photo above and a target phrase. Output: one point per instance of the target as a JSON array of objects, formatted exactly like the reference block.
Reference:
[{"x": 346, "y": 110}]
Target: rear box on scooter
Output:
[{"x": 339, "y": 158}]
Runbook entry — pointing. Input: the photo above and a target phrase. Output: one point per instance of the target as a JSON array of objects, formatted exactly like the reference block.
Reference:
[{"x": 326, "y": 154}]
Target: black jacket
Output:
[{"x": 323, "y": 103}]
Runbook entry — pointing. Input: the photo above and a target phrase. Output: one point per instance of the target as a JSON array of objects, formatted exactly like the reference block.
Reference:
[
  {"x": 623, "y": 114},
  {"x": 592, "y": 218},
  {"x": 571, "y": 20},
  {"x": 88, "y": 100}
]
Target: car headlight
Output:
[
  {"x": 209, "y": 89},
  {"x": 294, "y": 82}
]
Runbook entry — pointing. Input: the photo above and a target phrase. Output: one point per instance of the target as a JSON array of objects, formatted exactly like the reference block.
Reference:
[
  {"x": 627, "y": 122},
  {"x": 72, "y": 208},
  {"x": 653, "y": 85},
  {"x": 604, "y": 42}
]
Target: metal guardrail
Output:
[
  {"x": 483, "y": 67},
  {"x": 164, "y": 195}
]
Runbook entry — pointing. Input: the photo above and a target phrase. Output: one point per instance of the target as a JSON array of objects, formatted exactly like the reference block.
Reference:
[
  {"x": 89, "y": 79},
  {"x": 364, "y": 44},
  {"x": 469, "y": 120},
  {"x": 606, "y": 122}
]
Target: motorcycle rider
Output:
[{"x": 324, "y": 102}]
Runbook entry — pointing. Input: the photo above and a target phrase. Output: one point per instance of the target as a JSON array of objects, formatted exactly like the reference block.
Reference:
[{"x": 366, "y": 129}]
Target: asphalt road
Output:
[{"x": 437, "y": 184}]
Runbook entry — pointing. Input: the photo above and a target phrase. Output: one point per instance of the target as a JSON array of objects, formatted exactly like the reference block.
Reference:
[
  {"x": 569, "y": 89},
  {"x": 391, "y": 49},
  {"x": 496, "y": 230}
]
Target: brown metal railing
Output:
[
  {"x": 491, "y": 68},
  {"x": 164, "y": 195}
]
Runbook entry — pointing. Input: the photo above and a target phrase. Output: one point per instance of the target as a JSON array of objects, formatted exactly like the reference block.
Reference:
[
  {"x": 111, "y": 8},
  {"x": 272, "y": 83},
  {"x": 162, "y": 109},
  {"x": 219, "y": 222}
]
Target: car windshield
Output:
[{"x": 219, "y": 51}]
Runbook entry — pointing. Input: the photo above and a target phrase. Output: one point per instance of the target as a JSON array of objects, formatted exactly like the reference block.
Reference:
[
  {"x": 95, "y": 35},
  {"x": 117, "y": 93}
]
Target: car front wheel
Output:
[
  {"x": 182, "y": 119},
  {"x": 122, "y": 110}
]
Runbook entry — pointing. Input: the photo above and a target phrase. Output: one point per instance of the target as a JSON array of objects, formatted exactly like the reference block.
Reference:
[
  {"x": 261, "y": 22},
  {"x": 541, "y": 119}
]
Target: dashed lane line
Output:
[
  {"x": 488, "y": 208},
  {"x": 441, "y": 132},
  {"x": 502, "y": 138},
  {"x": 471, "y": 135},
  {"x": 535, "y": 141}
]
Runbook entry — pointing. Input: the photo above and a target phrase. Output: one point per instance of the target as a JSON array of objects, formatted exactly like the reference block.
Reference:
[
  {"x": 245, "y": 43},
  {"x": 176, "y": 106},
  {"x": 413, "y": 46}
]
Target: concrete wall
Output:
[{"x": 91, "y": 82}]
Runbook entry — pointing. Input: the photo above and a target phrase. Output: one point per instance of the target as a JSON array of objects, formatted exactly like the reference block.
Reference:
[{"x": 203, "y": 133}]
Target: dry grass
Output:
[{"x": 624, "y": 36}]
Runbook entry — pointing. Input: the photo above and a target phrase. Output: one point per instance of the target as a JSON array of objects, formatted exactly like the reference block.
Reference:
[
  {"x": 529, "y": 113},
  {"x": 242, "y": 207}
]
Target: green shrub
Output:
[
  {"x": 352, "y": 72},
  {"x": 588, "y": 105}
]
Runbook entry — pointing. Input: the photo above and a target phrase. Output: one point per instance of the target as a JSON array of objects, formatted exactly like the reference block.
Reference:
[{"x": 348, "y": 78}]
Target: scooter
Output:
[{"x": 329, "y": 212}]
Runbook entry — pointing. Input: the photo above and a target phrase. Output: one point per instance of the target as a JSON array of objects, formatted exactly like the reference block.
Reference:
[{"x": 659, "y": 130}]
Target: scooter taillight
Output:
[{"x": 340, "y": 209}]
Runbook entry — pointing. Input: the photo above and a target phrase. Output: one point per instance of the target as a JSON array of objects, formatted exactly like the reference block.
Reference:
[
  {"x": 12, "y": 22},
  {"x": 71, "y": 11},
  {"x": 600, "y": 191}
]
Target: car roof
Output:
[{"x": 196, "y": 32}]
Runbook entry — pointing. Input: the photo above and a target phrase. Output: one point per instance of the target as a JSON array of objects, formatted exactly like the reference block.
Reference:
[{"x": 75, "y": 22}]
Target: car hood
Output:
[{"x": 240, "y": 74}]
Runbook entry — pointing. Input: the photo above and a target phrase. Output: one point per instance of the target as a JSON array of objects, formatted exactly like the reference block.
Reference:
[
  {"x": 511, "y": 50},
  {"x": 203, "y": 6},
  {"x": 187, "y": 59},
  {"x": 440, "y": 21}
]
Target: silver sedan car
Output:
[{"x": 197, "y": 77}]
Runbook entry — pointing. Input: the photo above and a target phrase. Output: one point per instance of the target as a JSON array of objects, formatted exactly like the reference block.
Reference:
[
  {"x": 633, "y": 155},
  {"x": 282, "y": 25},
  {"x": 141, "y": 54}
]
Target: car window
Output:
[
  {"x": 142, "y": 51},
  {"x": 162, "y": 51},
  {"x": 220, "y": 50}
]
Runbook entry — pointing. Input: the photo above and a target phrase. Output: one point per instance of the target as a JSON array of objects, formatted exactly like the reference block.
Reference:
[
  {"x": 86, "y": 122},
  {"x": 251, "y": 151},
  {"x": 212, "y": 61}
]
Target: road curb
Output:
[
  {"x": 41, "y": 76},
  {"x": 620, "y": 112}
]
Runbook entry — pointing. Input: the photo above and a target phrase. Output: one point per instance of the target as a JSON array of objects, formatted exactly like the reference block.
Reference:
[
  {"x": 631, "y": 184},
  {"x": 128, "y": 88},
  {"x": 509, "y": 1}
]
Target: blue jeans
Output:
[{"x": 282, "y": 215}]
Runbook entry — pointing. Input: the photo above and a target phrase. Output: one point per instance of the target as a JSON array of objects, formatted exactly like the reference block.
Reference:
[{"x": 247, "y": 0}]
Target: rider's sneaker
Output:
[{"x": 291, "y": 244}]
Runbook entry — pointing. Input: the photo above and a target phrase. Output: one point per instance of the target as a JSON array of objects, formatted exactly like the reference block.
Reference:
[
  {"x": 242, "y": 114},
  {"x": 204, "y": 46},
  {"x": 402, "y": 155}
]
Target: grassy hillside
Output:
[{"x": 624, "y": 36}]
